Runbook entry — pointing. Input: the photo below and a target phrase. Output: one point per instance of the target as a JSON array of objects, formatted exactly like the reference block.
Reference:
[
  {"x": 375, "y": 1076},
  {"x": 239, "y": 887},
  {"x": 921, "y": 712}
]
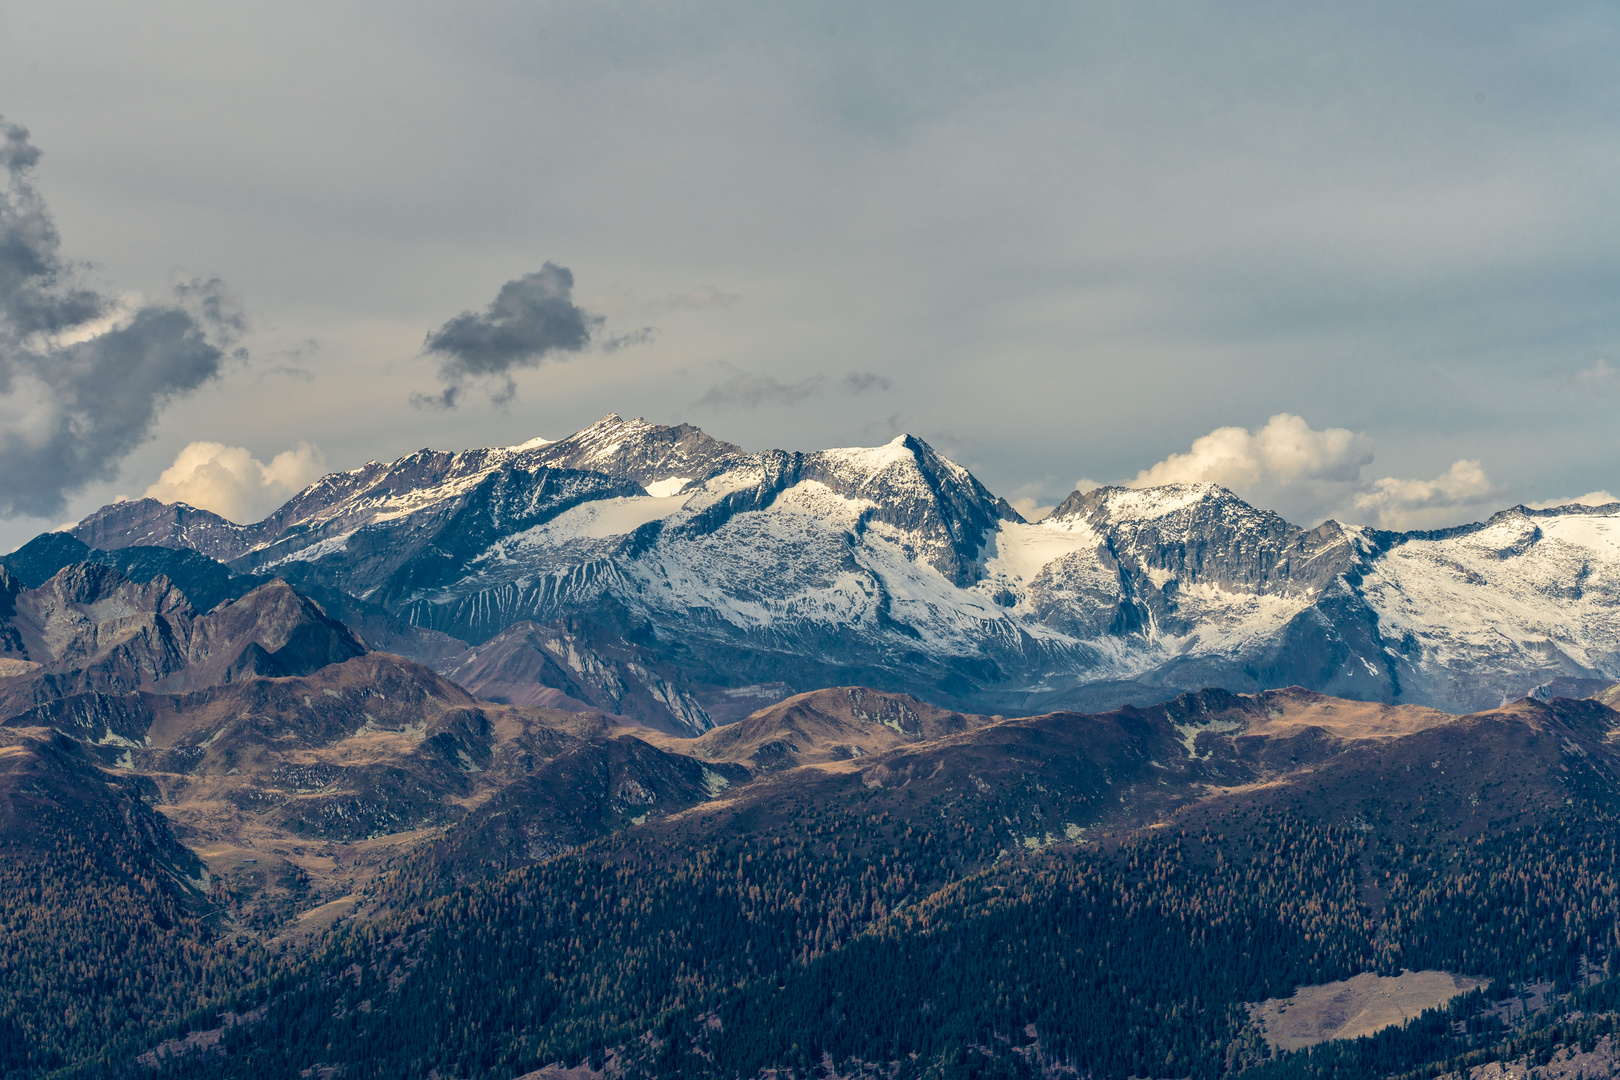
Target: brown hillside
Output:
[{"x": 837, "y": 724}]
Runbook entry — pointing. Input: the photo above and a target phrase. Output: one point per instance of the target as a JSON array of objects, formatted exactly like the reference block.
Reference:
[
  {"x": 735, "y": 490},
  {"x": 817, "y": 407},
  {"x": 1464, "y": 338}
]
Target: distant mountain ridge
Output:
[
  {"x": 893, "y": 567},
  {"x": 90, "y": 629}
]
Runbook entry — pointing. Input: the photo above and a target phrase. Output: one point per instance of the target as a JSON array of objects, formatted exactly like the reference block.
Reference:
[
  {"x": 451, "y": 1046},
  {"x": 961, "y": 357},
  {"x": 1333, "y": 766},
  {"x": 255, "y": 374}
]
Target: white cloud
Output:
[
  {"x": 231, "y": 482},
  {"x": 1591, "y": 498},
  {"x": 1306, "y": 475},
  {"x": 1285, "y": 465},
  {"x": 1602, "y": 378},
  {"x": 119, "y": 314},
  {"x": 1030, "y": 508},
  {"x": 1285, "y": 451},
  {"x": 1461, "y": 491}
]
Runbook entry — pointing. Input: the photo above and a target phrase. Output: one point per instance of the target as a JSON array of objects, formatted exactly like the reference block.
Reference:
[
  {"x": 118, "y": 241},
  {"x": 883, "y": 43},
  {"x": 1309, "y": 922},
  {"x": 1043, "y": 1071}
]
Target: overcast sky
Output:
[{"x": 1359, "y": 260}]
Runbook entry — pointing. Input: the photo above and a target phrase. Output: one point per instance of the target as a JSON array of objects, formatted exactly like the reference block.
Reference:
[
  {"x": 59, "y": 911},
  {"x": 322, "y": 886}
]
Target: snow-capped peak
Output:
[
  {"x": 533, "y": 444},
  {"x": 1124, "y": 504}
]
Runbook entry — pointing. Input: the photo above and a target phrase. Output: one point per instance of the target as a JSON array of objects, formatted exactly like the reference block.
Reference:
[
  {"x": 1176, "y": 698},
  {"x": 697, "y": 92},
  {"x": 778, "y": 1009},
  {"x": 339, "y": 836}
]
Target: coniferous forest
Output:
[{"x": 842, "y": 922}]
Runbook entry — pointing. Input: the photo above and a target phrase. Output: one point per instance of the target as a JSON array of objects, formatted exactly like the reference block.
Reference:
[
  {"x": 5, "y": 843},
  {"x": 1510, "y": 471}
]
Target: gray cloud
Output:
[
  {"x": 702, "y": 298},
  {"x": 750, "y": 390},
  {"x": 82, "y": 375},
  {"x": 532, "y": 317},
  {"x": 629, "y": 339},
  {"x": 859, "y": 381},
  {"x": 1220, "y": 213},
  {"x": 882, "y": 430}
]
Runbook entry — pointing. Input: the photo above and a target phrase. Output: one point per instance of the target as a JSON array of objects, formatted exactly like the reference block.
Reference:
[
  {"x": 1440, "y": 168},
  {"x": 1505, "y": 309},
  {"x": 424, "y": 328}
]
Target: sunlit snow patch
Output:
[{"x": 663, "y": 489}]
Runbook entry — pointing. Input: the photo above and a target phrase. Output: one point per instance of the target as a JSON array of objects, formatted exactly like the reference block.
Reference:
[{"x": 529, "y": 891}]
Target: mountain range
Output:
[
  {"x": 657, "y": 573},
  {"x": 637, "y": 755}
]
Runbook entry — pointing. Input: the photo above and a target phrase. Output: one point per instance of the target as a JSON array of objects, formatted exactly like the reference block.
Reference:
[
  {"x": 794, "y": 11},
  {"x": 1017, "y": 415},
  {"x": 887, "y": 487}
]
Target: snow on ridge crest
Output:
[
  {"x": 1157, "y": 502},
  {"x": 1125, "y": 504},
  {"x": 532, "y": 444}
]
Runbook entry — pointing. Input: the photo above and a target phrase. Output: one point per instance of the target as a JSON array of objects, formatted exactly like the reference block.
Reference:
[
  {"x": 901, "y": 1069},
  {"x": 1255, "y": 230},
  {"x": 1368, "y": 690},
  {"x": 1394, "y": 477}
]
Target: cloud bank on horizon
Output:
[{"x": 1308, "y": 475}]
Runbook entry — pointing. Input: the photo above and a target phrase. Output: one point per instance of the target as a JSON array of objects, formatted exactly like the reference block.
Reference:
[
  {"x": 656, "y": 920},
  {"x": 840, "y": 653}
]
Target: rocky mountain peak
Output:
[
  {"x": 916, "y": 489},
  {"x": 650, "y": 454},
  {"x": 1105, "y": 506},
  {"x": 272, "y": 631},
  {"x": 102, "y": 591},
  {"x": 1194, "y": 533},
  {"x": 889, "y": 565},
  {"x": 91, "y": 629},
  {"x": 148, "y": 522}
]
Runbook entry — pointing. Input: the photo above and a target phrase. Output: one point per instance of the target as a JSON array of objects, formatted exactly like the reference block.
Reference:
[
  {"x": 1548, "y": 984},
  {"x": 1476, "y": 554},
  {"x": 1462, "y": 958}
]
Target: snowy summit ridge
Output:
[{"x": 893, "y": 566}]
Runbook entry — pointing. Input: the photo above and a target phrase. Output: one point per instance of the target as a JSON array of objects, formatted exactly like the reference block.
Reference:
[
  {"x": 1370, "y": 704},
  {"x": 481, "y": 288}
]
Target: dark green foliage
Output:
[
  {"x": 1127, "y": 959},
  {"x": 99, "y": 946},
  {"x": 817, "y": 920}
]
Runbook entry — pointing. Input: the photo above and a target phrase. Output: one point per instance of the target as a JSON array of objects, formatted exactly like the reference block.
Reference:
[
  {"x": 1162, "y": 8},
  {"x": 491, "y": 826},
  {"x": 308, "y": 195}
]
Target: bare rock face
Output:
[
  {"x": 575, "y": 664},
  {"x": 205, "y": 581},
  {"x": 89, "y": 629},
  {"x": 272, "y": 631}
]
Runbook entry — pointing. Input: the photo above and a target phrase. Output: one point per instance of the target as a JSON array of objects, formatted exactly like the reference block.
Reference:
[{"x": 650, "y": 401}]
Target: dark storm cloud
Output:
[
  {"x": 32, "y": 297},
  {"x": 82, "y": 375},
  {"x": 532, "y": 317}
]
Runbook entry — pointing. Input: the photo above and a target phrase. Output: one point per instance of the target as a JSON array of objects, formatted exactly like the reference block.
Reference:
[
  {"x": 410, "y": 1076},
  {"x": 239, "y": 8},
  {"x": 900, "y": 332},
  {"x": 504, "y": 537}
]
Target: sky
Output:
[{"x": 1358, "y": 261}]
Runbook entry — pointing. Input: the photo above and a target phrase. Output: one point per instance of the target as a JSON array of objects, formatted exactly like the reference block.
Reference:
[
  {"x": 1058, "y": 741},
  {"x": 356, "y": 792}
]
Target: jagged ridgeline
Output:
[
  {"x": 640, "y": 755},
  {"x": 660, "y": 574}
]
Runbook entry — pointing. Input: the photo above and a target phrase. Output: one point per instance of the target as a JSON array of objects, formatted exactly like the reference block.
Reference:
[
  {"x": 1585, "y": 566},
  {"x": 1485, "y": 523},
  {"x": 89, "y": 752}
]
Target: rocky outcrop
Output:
[
  {"x": 90, "y": 630},
  {"x": 576, "y": 664},
  {"x": 272, "y": 631}
]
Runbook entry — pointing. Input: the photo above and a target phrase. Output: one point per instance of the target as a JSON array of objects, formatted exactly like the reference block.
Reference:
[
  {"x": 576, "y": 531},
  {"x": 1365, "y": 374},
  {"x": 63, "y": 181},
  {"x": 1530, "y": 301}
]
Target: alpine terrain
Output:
[
  {"x": 659, "y": 573},
  {"x": 637, "y": 755}
]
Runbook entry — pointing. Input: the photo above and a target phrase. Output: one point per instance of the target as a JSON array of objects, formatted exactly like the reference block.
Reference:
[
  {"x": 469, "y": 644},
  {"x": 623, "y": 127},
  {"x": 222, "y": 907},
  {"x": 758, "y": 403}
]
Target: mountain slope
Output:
[
  {"x": 574, "y": 664},
  {"x": 89, "y": 629},
  {"x": 838, "y": 724},
  {"x": 104, "y": 910},
  {"x": 881, "y": 916}
]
